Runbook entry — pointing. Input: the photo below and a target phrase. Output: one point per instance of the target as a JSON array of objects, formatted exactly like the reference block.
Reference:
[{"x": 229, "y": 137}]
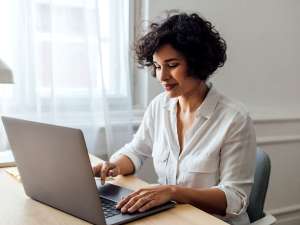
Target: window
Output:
[{"x": 71, "y": 56}]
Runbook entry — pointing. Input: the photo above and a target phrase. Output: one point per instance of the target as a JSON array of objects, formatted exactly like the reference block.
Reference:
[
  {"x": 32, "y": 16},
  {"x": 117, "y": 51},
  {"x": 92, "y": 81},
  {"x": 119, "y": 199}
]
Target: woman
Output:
[{"x": 202, "y": 143}]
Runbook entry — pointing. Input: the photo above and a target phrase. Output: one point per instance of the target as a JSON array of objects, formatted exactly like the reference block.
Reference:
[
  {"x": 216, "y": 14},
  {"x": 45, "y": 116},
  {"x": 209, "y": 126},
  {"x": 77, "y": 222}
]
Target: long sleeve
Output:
[
  {"x": 140, "y": 148},
  {"x": 237, "y": 163}
]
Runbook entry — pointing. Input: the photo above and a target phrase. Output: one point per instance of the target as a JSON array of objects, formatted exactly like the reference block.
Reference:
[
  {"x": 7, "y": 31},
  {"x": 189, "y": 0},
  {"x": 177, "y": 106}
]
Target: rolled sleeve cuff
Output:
[
  {"x": 135, "y": 160},
  {"x": 236, "y": 202}
]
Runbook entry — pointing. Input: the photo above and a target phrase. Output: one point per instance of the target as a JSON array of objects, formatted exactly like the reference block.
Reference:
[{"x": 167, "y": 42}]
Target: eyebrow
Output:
[{"x": 168, "y": 60}]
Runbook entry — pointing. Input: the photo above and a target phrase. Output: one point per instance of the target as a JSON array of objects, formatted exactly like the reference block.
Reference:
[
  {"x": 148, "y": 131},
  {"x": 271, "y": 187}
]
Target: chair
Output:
[{"x": 259, "y": 190}]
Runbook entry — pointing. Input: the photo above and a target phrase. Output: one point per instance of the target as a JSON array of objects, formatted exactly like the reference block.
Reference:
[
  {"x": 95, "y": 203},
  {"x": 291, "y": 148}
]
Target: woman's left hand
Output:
[{"x": 146, "y": 198}]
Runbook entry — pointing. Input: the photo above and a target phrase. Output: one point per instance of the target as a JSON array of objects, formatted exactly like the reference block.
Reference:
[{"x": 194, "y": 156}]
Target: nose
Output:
[{"x": 163, "y": 74}]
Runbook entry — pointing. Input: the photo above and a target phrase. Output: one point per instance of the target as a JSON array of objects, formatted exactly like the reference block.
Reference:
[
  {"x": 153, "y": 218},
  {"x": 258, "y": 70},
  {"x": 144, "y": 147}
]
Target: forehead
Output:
[{"x": 166, "y": 52}]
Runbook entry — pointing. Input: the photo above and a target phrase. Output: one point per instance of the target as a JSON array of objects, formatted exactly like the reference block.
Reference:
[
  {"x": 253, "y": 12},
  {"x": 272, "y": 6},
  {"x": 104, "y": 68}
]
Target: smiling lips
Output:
[{"x": 169, "y": 87}]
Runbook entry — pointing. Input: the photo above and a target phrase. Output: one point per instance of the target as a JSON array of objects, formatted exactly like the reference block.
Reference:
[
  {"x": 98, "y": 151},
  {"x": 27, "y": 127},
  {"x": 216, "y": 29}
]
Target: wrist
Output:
[
  {"x": 115, "y": 168},
  {"x": 178, "y": 194},
  {"x": 174, "y": 192},
  {"x": 118, "y": 169}
]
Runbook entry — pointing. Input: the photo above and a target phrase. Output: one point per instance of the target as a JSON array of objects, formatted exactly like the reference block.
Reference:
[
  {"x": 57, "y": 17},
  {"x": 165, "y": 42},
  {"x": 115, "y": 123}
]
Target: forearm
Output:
[
  {"x": 210, "y": 200},
  {"x": 124, "y": 164}
]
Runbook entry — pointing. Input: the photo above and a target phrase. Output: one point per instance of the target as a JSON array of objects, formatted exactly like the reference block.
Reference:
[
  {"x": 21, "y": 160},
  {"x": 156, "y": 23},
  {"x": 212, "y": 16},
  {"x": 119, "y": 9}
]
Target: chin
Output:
[{"x": 172, "y": 94}]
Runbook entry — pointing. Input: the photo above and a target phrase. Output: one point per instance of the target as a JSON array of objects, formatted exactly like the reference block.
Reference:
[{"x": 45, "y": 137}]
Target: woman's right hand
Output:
[{"x": 106, "y": 169}]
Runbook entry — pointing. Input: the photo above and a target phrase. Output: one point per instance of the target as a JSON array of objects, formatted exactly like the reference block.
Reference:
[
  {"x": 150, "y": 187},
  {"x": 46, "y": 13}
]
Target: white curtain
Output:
[{"x": 70, "y": 60}]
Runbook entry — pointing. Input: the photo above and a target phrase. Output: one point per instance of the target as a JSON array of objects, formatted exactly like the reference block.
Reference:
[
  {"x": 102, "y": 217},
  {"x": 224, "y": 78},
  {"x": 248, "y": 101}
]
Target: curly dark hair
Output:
[{"x": 192, "y": 36}]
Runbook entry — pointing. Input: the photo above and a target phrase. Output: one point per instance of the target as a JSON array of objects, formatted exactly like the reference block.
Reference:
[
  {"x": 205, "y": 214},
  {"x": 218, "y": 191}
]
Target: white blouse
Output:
[{"x": 218, "y": 152}]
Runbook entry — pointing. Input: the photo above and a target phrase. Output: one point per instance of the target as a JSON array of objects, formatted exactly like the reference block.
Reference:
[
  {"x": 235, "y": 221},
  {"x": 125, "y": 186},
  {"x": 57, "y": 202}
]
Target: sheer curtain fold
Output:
[{"x": 70, "y": 61}]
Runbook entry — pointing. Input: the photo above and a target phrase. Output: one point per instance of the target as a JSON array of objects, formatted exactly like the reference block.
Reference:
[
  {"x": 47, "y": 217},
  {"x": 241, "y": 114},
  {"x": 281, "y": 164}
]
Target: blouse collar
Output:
[{"x": 207, "y": 107}]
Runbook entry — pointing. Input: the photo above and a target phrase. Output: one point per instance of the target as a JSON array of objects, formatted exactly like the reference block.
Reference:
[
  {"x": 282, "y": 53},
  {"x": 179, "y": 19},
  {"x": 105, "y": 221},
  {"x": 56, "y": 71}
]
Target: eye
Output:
[
  {"x": 156, "y": 67},
  {"x": 172, "y": 65}
]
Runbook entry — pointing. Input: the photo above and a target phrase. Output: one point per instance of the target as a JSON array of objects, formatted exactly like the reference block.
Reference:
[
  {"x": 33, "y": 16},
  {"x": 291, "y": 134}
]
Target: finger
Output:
[
  {"x": 130, "y": 202},
  {"x": 148, "y": 205},
  {"x": 96, "y": 170},
  {"x": 113, "y": 172},
  {"x": 110, "y": 173},
  {"x": 124, "y": 200},
  {"x": 104, "y": 171},
  {"x": 139, "y": 203}
]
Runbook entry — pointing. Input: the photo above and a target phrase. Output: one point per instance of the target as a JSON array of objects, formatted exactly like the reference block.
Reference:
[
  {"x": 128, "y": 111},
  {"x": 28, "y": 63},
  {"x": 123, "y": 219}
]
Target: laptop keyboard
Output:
[{"x": 109, "y": 208}]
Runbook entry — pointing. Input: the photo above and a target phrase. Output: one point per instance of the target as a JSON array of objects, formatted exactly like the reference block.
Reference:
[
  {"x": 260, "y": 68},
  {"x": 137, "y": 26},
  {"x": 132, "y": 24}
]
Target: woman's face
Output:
[{"x": 171, "y": 70}]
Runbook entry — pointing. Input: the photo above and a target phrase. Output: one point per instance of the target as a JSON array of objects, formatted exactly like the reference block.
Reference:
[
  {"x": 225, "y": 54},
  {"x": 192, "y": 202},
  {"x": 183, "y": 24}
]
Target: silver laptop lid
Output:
[{"x": 54, "y": 167}]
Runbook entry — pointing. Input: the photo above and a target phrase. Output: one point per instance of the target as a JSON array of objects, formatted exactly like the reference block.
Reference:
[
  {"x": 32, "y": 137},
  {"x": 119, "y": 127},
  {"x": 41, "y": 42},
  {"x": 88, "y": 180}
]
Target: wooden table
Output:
[{"x": 18, "y": 209}]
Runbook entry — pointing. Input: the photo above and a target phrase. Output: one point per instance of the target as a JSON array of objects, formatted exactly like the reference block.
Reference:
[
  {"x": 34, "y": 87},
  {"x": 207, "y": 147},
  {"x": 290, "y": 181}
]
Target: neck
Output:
[{"x": 190, "y": 101}]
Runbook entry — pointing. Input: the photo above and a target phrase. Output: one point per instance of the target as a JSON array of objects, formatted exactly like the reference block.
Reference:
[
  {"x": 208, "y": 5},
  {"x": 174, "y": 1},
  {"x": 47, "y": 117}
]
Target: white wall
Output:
[
  {"x": 263, "y": 50},
  {"x": 262, "y": 72},
  {"x": 280, "y": 138}
]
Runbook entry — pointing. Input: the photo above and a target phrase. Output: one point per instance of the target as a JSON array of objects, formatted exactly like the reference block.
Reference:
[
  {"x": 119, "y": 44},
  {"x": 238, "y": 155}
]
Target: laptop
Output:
[{"x": 55, "y": 170}]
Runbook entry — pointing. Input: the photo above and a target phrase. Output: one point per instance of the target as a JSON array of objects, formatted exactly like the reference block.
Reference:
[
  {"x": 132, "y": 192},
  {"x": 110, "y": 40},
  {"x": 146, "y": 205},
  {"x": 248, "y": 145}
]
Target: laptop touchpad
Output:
[{"x": 112, "y": 192}]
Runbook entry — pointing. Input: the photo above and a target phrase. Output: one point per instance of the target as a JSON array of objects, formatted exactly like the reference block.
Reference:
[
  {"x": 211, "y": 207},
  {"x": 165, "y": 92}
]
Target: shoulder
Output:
[
  {"x": 235, "y": 119},
  {"x": 232, "y": 108},
  {"x": 232, "y": 114}
]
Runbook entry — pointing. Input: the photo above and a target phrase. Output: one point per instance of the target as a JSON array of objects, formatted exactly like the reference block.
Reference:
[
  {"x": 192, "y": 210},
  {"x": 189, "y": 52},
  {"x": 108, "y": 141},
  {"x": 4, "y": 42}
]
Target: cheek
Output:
[
  {"x": 188, "y": 84},
  {"x": 181, "y": 80},
  {"x": 181, "y": 75}
]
